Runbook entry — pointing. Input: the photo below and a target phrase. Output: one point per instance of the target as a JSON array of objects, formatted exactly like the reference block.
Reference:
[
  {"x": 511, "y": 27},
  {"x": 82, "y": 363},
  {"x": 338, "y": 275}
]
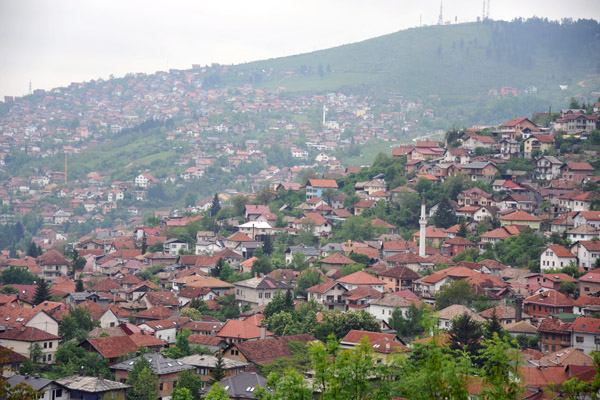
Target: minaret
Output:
[
  {"x": 324, "y": 114},
  {"x": 423, "y": 225}
]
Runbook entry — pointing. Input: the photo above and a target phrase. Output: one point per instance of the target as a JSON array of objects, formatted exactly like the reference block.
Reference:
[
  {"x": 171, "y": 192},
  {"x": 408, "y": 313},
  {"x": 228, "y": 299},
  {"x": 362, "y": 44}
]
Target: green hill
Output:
[{"x": 458, "y": 63}]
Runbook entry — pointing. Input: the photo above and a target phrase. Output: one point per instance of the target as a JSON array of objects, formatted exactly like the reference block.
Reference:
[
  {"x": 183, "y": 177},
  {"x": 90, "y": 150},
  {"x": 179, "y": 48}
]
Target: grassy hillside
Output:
[{"x": 459, "y": 63}]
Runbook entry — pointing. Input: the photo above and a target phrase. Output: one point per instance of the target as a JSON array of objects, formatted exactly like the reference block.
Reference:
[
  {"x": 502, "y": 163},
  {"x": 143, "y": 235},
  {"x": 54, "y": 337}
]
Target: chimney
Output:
[
  {"x": 519, "y": 308},
  {"x": 263, "y": 332},
  {"x": 101, "y": 377},
  {"x": 387, "y": 345}
]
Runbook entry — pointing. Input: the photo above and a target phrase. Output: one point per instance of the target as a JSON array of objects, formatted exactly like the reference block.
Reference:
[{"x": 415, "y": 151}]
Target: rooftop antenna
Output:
[{"x": 440, "y": 19}]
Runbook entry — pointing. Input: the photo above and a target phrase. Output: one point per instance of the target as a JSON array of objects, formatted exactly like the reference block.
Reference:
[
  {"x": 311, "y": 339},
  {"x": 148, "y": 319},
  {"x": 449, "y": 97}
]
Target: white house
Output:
[
  {"x": 382, "y": 308},
  {"x": 555, "y": 256},
  {"x": 587, "y": 217},
  {"x": 172, "y": 246},
  {"x": 585, "y": 334},
  {"x": 587, "y": 252}
]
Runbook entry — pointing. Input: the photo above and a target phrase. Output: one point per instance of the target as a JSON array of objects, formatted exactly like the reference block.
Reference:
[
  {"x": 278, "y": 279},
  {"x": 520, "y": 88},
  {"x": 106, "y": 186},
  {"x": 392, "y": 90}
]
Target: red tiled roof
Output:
[
  {"x": 520, "y": 216},
  {"x": 322, "y": 183},
  {"x": 158, "y": 312},
  {"x": 377, "y": 340},
  {"x": 27, "y": 334},
  {"x": 586, "y": 324},
  {"x": 240, "y": 330},
  {"x": 52, "y": 257},
  {"x": 105, "y": 285},
  {"x": 360, "y": 278},
  {"x": 337, "y": 258},
  {"x": 550, "y": 297},
  {"x": 112, "y": 347}
]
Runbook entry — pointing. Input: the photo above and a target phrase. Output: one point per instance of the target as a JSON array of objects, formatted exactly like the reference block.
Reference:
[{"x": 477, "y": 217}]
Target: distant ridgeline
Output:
[{"x": 471, "y": 70}]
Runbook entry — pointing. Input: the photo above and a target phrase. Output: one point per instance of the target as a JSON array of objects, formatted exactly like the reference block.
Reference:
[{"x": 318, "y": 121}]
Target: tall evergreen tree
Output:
[
  {"x": 444, "y": 216},
  {"x": 218, "y": 372},
  {"x": 462, "y": 232},
  {"x": 216, "y": 206},
  {"x": 79, "y": 286},
  {"x": 32, "y": 251},
  {"x": 267, "y": 246},
  {"x": 465, "y": 334},
  {"x": 42, "y": 293}
]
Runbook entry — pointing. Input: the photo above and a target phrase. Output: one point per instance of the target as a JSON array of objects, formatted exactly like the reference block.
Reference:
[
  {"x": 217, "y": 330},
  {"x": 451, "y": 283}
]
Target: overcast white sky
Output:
[{"x": 54, "y": 42}]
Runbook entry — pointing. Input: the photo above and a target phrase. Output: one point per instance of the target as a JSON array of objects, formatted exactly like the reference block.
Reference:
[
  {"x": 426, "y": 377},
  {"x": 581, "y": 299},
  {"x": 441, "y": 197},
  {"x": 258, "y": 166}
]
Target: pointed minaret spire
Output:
[{"x": 422, "y": 225}]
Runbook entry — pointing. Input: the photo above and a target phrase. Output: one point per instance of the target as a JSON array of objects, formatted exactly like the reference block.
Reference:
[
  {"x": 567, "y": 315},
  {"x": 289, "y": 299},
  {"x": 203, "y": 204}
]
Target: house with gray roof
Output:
[
  {"x": 242, "y": 386},
  {"x": 51, "y": 390},
  {"x": 204, "y": 364},
  {"x": 166, "y": 368},
  {"x": 93, "y": 388}
]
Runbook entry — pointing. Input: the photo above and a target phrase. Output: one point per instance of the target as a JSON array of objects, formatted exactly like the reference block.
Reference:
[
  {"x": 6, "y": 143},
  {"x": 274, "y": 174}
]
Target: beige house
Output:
[
  {"x": 329, "y": 294},
  {"x": 256, "y": 230},
  {"x": 22, "y": 341},
  {"x": 259, "y": 291}
]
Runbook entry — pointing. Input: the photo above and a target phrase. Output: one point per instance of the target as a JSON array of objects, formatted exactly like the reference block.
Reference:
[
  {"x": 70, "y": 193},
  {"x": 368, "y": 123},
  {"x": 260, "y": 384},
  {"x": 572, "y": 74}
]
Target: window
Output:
[
  {"x": 160, "y": 386},
  {"x": 260, "y": 295},
  {"x": 267, "y": 295},
  {"x": 49, "y": 357},
  {"x": 45, "y": 345},
  {"x": 579, "y": 339},
  {"x": 50, "y": 345}
]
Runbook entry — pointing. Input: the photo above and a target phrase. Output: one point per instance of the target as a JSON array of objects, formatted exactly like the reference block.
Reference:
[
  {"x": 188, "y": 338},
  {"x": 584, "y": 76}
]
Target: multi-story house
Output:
[
  {"x": 329, "y": 294},
  {"x": 475, "y": 197},
  {"x": 587, "y": 253},
  {"x": 52, "y": 265},
  {"x": 481, "y": 171},
  {"x": 540, "y": 143},
  {"x": 585, "y": 334},
  {"x": 259, "y": 291},
  {"x": 576, "y": 171},
  {"x": 554, "y": 335},
  {"x": 555, "y": 256},
  {"x": 576, "y": 124},
  {"x": 316, "y": 187},
  {"x": 173, "y": 246},
  {"x": 547, "y": 168},
  {"x": 547, "y": 303}
]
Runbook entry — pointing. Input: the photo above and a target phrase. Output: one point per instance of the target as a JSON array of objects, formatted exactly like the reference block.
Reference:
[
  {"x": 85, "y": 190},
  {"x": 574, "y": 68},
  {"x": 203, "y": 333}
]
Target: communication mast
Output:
[
  {"x": 487, "y": 12},
  {"x": 440, "y": 19}
]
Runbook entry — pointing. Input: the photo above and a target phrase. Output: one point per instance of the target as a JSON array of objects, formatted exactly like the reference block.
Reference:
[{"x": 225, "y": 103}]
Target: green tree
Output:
[
  {"x": 267, "y": 246},
  {"x": 35, "y": 354},
  {"x": 216, "y": 206},
  {"x": 42, "y": 292},
  {"x": 189, "y": 380},
  {"x": 182, "y": 345},
  {"x": 32, "y": 250},
  {"x": 144, "y": 384},
  {"x": 217, "y": 374},
  {"x": 501, "y": 370},
  {"x": 465, "y": 334},
  {"x": 567, "y": 287},
  {"x": 76, "y": 324},
  {"x": 9, "y": 290},
  {"x": 308, "y": 278},
  {"x": 444, "y": 216},
  {"x": 79, "y": 286},
  {"x": 290, "y": 386},
  {"x": 455, "y": 292},
  {"x": 216, "y": 392},
  {"x": 182, "y": 394},
  {"x": 493, "y": 327},
  {"x": 462, "y": 232},
  {"x": 17, "y": 276}
]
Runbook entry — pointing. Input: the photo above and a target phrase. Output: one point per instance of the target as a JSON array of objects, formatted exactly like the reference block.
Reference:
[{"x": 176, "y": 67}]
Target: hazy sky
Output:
[{"x": 54, "y": 42}]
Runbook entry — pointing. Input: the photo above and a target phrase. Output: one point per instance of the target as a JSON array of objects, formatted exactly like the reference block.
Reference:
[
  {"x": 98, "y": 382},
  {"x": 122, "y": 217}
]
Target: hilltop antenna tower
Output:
[
  {"x": 483, "y": 11},
  {"x": 487, "y": 12},
  {"x": 440, "y": 19},
  {"x": 30, "y": 87}
]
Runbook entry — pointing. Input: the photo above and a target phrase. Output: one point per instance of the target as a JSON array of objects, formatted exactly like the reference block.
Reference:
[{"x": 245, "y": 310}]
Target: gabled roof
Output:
[
  {"x": 264, "y": 282},
  {"x": 112, "y": 347},
  {"x": 240, "y": 330},
  {"x": 158, "y": 312},
  {"x": 52, "y": 257},
  {"x": 337, "y": 258},
  {"x": 322, "y": 183},
  {"x": 159, "y": 363},
  {"x": 323, "y": 287},
  {"x": 106, "y": 285},
  {"x": 265, "y": 351},
  {"x": 550, "y": 298},
  {"x": 520, "y": 216},
  {"x": 360, "y": 278},
  {"x": 90, "y": 384},
  {"x": 379, "y": 341},
  {"x": 586, "y": 324},
  {"x": 27, "y": 334}
]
